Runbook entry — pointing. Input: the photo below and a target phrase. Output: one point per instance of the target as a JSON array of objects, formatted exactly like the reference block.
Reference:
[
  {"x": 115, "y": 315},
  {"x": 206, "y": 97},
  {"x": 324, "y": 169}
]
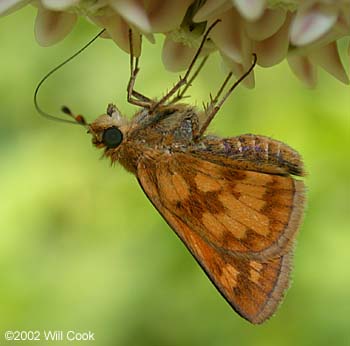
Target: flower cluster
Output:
[{"x": 305, "y": 32}]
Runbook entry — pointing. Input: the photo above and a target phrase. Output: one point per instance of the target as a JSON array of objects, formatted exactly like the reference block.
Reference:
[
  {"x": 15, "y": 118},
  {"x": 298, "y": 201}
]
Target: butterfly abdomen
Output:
[
  {"x": 253, "y": 152},
  {"x": 267, "y": 150}
]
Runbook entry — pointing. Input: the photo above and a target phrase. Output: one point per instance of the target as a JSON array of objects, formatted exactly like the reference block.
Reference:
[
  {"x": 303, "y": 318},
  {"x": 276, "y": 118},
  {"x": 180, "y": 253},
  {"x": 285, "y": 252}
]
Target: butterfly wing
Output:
[
  {"x": 240, "y": 212},
  {"x": 223, "y": 215}
]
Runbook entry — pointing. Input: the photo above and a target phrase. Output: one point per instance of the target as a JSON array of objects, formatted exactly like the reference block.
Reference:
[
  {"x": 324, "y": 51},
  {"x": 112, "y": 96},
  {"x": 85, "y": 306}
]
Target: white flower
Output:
[
  {"x": 305, "y": 32},
  {"x": 314, "y": 32}
]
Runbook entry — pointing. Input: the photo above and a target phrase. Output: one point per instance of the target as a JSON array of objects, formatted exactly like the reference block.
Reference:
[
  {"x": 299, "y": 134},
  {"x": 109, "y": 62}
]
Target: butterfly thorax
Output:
[{"x": 169, "y": 126}]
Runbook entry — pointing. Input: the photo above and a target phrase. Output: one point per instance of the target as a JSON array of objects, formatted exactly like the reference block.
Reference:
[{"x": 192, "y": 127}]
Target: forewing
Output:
[
  {"x": 252, "y": 287},
  {"x": 243, "y": 213}
]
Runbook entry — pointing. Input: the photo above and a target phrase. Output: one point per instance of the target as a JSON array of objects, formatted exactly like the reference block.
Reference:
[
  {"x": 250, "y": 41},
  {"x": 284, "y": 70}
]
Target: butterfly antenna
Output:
[{"x": 64, "y": 109}]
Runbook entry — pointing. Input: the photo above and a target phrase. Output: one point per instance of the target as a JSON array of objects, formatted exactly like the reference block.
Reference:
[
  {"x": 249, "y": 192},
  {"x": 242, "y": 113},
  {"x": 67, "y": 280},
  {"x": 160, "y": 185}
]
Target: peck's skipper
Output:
[{"x": 234, "y": 202}]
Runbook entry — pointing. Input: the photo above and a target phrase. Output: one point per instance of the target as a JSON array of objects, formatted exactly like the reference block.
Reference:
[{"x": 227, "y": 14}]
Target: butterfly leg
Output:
[
  {"x": 215, "y": 104},
  {"x": 181, "y": 94},
  {"x": 183, "y": 80},
  {"x": 135, "y": 97}
]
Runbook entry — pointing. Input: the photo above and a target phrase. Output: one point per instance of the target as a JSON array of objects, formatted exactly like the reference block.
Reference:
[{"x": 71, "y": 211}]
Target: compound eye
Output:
[{"x": 112, "y": 137}]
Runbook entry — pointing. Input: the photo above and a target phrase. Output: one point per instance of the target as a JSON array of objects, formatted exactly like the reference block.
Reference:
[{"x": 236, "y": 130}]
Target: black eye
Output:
[{"x": 112, "y": 137}]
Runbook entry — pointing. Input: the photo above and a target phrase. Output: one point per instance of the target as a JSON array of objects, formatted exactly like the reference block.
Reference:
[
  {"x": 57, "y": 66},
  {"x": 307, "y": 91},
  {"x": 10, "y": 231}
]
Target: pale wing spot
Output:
[
  {"x": 256, "y": 221},
  {"x": 251, "y": 190},
  {"x": 211, "y": 223},
  {"x": 180, "y": 186},
  {"x": 254, "y": 272},
  {"x": 256, "y": 265},
  {"x": 206, "y": 183},
  {"x": 167, "y": 190},
  {"x": 218, "y": 224},
  {"x": 235, "y": 228},
  {"x": 228, "y": 277},
  {"x": 256, "y": 204},
  {"x": 256, "y": 178},
  {"x": 208, "y": 168},
  {"x": 254, "y": 276}
]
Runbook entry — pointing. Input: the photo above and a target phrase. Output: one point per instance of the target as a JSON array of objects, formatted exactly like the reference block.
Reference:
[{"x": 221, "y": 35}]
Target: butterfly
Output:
[{"x": 236, "y": 203}]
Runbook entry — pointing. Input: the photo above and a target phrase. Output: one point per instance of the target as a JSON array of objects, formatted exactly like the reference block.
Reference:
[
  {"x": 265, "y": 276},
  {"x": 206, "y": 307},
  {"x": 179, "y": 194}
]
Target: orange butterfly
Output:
[{"x": 234, "y": 202}]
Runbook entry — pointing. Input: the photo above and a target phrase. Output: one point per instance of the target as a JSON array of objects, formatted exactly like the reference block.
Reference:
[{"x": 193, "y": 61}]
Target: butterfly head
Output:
[{"x": 108, "y": 130}]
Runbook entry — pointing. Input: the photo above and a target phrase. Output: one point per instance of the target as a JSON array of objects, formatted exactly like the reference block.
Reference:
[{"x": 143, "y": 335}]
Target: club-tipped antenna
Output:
[{"x": 35, "y": 99}]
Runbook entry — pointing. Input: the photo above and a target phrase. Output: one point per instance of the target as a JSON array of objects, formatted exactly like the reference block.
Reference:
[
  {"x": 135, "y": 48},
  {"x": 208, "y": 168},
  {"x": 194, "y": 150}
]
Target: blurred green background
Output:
[{"x": 81, "y": 248}]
